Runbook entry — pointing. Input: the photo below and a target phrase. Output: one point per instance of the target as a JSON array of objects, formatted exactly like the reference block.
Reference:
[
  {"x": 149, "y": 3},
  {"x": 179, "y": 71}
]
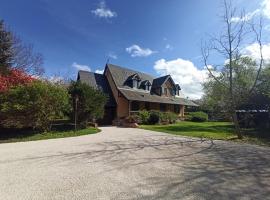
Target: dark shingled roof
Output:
[
  {"x": 144, "y": 96},
  {"x": 120, "y": 75},
  {"x": 97, "y": 81}
]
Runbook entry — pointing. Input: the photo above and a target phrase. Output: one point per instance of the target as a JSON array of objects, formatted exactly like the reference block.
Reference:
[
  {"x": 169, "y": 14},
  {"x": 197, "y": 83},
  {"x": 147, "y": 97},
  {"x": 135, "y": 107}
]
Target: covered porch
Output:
[{"x": 136, "y": 106}]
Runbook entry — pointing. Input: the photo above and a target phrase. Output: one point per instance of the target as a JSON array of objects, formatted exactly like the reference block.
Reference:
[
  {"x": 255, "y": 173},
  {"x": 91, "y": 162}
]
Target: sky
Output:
[{"x": 157, "y": 37}]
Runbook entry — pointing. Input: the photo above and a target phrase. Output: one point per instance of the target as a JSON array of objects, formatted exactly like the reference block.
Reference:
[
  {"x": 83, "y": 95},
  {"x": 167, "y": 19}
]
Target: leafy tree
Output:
[
  {"x": 33, "y": 105},
  {"x": 90, "y": 102},
  {"x": 14, "y": 78}
]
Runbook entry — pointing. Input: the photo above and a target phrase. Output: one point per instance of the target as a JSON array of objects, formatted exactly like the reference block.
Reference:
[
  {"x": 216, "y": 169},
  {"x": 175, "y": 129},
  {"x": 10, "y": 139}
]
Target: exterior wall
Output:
[{"x": 122, "y": 109}]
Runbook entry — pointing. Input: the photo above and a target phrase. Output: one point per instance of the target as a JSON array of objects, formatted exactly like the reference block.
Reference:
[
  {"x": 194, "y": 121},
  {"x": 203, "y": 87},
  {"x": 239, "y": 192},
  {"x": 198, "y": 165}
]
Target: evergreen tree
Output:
[{"x": 6, "y": 50}]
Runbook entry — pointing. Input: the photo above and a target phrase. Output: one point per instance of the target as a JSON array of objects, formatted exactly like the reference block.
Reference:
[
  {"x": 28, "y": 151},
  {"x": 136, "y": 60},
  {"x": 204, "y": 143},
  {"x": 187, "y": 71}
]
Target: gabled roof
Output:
[
  {"x": 120, "y": 75},
  {"x": 97, "y": 81},
  {"x": 147, "y": 97},
  {"x": 157, "y": 82}
]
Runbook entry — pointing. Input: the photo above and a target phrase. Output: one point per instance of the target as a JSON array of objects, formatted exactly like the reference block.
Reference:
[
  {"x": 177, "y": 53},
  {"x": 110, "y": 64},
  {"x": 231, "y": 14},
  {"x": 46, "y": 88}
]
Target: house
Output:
[{"x": 130, "y": 91}]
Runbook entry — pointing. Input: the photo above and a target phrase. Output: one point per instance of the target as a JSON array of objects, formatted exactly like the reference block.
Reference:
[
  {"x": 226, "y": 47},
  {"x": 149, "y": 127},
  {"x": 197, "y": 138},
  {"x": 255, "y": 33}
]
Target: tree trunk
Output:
[{"x": 236, "y": 125}]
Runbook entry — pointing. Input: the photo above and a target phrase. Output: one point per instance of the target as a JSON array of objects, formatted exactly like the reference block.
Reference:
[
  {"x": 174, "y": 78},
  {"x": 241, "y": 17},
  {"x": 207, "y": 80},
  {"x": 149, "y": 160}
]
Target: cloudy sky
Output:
[{"x": 154, "y": 36}]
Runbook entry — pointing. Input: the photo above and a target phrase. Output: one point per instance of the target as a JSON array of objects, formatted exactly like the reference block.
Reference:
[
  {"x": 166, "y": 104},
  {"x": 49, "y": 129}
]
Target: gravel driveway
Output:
[{"x": 123, "y": 163}]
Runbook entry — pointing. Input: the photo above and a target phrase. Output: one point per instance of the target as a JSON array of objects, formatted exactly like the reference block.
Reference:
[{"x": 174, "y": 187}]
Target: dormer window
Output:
[
  {"x": 146, "y": 85},
  {"x": 177, "y": 88},
  {"x": 135, "y": 80}
]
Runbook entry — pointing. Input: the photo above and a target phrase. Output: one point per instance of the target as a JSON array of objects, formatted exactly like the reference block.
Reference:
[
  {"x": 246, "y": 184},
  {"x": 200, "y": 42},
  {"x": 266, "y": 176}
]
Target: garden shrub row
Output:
[
  {"x": 197, "y": 117},
  {"x": 156, "y": 117}
]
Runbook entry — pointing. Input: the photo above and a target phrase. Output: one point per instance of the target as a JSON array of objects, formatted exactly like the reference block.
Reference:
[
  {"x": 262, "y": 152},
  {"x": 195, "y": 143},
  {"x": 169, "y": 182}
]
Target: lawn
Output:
[
  {"x": 212, "y": 130},
  {"x": 30, "y": 135}
]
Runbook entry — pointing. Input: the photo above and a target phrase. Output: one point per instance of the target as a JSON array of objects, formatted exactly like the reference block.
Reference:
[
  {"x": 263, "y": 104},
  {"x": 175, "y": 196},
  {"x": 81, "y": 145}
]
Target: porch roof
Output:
[{"x": 147, "y": 97}]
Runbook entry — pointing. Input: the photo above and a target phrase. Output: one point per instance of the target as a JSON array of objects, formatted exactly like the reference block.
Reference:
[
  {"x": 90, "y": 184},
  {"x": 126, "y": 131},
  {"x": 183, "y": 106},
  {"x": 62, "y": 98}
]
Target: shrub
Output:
[
  {"x": 154, "y": 117},
  {"x": 33, "y": 105},
  {"x": 197, "y": 117},
  {"x": 90, "y": 102},
  {"x": 143, "y": 116}
]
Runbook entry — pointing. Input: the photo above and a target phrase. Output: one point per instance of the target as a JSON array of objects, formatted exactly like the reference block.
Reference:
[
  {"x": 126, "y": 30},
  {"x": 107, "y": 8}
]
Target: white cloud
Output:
[
  {"x": 266, "y": 8},
  {"x": 99, "y": 71},
  {"x": 112, "y": 55},
  {"x": 185, "y": 73},
  {"x": 168, "y": 47},
  {"x": 81, "y": 67},
  {"x": 253, "y": 50},
  {"x": 103, "y": 11},
  {"x": 246, "y": 17},
  {"x": 137, "y": 51}
]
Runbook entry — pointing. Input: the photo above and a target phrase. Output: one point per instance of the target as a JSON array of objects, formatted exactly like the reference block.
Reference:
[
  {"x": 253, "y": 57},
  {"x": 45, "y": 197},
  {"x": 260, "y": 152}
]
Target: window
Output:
[
  {"x": 177, "y": 108},
  {"x": 162, "y": 107},
  {"x": 147, "y": 105},
  {"x": 166, "y": 91},
  {"x": 135, "y": 83},
  {"x": 135, "y": 106}
]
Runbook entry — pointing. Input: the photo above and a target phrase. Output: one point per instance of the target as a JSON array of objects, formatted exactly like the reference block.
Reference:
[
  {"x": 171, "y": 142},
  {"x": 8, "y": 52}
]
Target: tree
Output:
[
  {"x": 14, "y": 78},
  {"x": 6, "y": 51},
  {"x": 33, "y": 105},
  {"x": 90, "y": 102},
  {"x": 228, "y": 77},
  {"x": 14, "y": 54}
]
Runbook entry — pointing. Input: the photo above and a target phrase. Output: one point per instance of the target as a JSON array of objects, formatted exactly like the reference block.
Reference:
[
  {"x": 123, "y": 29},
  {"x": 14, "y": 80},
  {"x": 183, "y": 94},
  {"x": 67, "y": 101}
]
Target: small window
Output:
[
  {"x": 166, "y": 91},
  {"x": 135, "y": 106},
  {"x": 176, "y": 108},
  {"x": 162, "y": 107},
  {"x": 147, "y": 105}
]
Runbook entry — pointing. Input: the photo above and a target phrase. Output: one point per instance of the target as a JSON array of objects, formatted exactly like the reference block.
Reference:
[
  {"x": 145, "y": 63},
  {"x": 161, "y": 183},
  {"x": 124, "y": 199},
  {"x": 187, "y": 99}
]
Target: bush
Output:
[
  {"x": 154, "y": 117},
  {"x": 197, "y": 117},
  {"x": 34, "y": 105},
  {"x": 90, "y": 102},
  {"x": 143, "y": 117}
]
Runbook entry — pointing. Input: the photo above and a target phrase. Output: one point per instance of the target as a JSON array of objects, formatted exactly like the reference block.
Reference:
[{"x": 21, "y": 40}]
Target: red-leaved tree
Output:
[{"x": 13, "y": 78}]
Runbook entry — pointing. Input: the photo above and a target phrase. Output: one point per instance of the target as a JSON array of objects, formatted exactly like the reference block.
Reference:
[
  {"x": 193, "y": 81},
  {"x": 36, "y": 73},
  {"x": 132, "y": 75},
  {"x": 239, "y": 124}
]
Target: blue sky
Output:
[{"x": 149, "y": 36}]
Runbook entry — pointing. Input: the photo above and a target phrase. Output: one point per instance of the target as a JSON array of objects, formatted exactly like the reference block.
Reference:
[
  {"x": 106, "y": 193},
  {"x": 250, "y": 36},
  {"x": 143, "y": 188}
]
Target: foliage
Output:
[
  {"x": 33, "y": 105},
  {"x": 15, "y": 77},
  {"x": 197, "y": 117},
  {"x": 155, "y": 117},
  {"x": 6, "y": 52},
  {"x": 168, "y": 117},
  {"x": 143, "y": 116},
  {"x": 16, "y": 55},
  {"x": 90, "y": 102}
]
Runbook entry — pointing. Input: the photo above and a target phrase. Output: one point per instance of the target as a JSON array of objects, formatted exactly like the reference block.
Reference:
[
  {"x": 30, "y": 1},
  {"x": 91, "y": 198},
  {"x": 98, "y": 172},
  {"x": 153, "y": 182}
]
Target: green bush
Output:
[
  {"x": 197, "y": 117},
  {"x": 154, "y": 117},
  {"x": 34, "y": 105},
  {"x": 90, "y": 102},
  {"x": 143, "y": 116}
]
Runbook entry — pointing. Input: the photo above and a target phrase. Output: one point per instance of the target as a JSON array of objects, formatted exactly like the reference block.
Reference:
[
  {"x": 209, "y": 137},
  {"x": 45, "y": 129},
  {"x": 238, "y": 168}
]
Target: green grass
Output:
[
  {"x": 212, "y": 130},
  {"x": 29, "y": 135}
]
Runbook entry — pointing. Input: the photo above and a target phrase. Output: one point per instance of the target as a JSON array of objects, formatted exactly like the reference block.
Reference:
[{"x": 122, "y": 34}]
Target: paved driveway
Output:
[{"x": 123, "y": 163}]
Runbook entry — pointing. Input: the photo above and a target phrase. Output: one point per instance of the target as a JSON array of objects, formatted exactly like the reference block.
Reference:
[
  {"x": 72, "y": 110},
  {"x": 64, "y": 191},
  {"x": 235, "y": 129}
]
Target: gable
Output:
[{"x": 121, "y": 75}]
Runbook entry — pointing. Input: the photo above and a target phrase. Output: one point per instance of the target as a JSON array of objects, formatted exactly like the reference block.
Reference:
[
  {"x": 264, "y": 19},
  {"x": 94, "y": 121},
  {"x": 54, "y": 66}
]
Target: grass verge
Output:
[
  {"x": 29, "y": 135},
  {"x": 210, "y": 130}
]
